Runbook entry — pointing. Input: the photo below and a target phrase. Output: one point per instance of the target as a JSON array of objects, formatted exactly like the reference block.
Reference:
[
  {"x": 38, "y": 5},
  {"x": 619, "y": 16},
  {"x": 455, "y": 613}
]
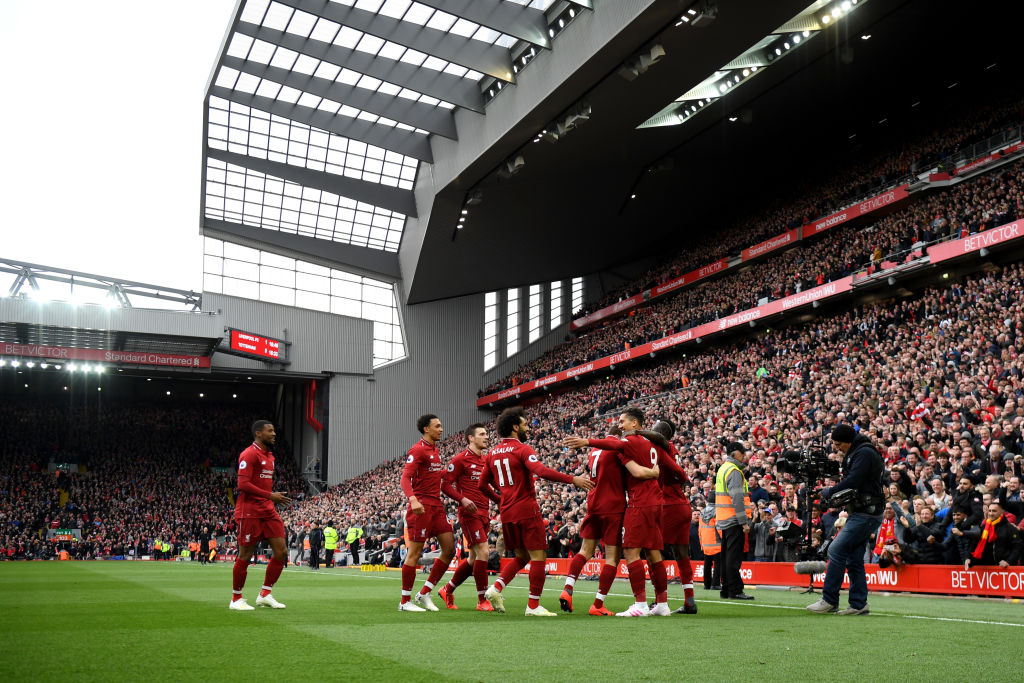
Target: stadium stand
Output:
[
  {"x": 970, "y": 207},
  {"x": 920, "y": 377},
  {"x": 122, "y": 476},
  {"x": 812, "y": 199}
]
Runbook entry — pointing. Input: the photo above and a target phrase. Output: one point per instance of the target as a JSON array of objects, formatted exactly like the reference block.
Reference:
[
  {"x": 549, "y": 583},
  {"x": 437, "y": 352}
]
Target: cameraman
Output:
[{"x": 863, "y": 469}]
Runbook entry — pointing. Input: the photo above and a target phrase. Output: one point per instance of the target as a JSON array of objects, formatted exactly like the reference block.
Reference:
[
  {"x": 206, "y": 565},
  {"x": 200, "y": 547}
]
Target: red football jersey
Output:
[
  {"x": 642, "y": 492},
  {"x": 463, "y": 473},
  {"x": 510, "y": 468},
  {"x": 672, "y": 477},
  {"x": 421, "y": 476},
  {"x": 609, "y": 493},
  {"x": 255, "y": 477}
]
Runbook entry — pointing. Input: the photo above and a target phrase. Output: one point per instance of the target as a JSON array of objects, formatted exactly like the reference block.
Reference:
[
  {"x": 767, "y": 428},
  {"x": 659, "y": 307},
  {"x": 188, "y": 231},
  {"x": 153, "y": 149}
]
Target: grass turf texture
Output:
[{"x": 169, "y": 621}]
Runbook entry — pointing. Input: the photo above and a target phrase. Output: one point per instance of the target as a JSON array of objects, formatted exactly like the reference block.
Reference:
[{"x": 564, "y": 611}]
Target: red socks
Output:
[
  {"x": 637, "y": 580},
  {"x": 480, "y": 577},
  {"x": 436, "y": 572},
  {"x": 536, "y": 584},
  {"x": 274, "y": 569},
  {"x": 508, "y": 572},
  {"x": 462, "y": 573},
  {"x": 408, "y": 579},
  {"x": 605, "y": 583},
  {"x": 659, "y": 578},
  {"x": 238, "y": 578},
  {"x": 575, "y": 567}
]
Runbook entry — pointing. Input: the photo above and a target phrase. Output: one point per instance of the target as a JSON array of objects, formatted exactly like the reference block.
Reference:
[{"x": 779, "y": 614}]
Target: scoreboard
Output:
[{"x": 257, "y": 346}]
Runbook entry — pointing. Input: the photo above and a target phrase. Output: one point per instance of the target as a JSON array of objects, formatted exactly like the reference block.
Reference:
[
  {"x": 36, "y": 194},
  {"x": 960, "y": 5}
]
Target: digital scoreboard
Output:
[{"x": 257, "y": 346}]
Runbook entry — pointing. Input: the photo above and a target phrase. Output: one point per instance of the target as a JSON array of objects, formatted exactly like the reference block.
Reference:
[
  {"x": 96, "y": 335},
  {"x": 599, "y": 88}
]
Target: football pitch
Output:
[{"x": 169, "y": 621}]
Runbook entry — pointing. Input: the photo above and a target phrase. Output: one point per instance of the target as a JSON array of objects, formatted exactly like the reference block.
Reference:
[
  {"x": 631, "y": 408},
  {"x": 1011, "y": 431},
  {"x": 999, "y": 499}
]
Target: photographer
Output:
[{"x": 863, "y": 468}]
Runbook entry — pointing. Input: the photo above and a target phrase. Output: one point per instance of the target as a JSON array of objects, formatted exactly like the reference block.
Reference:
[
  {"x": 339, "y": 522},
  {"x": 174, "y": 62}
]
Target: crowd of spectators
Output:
[
  {"x": 973, "y": 206},
  {"x": 936, "y": 381},
  {"x": 144, "y": 473},
  {"x": 827, "y": 191}
]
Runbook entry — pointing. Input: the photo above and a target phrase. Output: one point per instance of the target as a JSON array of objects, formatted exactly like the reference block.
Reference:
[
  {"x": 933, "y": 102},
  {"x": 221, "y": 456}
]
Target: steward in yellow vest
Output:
[{"x": 733, "y": 517}]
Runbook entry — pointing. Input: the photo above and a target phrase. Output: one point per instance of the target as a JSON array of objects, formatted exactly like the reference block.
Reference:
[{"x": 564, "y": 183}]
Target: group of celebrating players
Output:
[{"x": 636, "y": 503}]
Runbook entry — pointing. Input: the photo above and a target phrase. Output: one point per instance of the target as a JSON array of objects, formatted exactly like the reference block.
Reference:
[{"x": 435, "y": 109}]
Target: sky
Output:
[{"x": 101, "y": 134}]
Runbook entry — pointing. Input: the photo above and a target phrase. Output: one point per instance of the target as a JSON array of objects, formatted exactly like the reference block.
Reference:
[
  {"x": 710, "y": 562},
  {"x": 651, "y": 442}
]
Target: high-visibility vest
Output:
[
  {"x": 213, "y": 542},
  {"x": 724, "y": 509},
  {"x": 330, "y": 538},
  {"x": 305, "y": 543},
  {"x": 710, "y": 539}
]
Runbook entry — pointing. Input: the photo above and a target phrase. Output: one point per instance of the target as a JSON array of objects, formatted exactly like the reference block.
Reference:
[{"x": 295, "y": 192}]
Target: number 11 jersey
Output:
[{"x": 510, "y": 468}]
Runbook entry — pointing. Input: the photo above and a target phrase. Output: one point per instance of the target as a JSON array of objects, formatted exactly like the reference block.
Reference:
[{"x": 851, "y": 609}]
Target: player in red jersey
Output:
[
  {"x": 425, "y": 516},
  {"x": 461, "y": 482},
  {"x": 642, "y": 522},
  {"x": 511, "y": 466},
  {"x": 256, "y": 517},
  {"x": 606, "y": 506},
  {"x": 676, "y": 513}
]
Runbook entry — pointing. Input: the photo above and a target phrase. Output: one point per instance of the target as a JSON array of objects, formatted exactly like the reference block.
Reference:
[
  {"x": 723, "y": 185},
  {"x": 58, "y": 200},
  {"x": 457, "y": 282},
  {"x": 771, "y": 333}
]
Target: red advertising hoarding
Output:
[
  {"x": 989, "y": 238},
  {"x": 777, "y": 242},
  {"x": 646, "y": 295},
  {"x": 66, "y": 353},
  {"x": 893, "y": 196},
  {"x": 988, "y": 159},
  {"x": 256, "y": 345},
  {"x": 935, "y": 578},
  {"x": 772, "y": 308}
]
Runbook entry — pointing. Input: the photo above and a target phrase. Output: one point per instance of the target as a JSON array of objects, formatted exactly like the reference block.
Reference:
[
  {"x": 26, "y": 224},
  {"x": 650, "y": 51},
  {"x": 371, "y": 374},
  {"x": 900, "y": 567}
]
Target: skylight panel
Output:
[
  {"x": 254, "y": 10},
  {"x": 239, "y": 47},
  {"x": 418, "y": 14},
  {"x": 262, "y": 52},
  {"x": 302, "y": 24},
  {"x": 394, "y": 8},
  {"x": 325, "y": 30},
  {"x": 277, "y": 16}
]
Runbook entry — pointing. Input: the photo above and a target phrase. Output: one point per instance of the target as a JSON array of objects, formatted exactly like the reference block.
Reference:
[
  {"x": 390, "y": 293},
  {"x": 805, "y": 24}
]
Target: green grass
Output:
[{"x": 146, "y": 620}]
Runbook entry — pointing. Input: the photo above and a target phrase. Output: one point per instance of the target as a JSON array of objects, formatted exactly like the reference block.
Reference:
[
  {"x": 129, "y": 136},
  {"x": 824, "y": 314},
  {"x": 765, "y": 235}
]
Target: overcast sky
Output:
[{"x": 101, "y": 134}]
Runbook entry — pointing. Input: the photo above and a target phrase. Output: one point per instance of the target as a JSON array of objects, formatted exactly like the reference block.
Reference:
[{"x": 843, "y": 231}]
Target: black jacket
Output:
[
  {"x": 1007, "y": 546},
  {"x": 928, "y": 553},
  {"x": 970, "y": 502},
  {"x": 962, "y": 546},
  {"x": 316, "y": 538},
  {"x": 863, "y": 469}
]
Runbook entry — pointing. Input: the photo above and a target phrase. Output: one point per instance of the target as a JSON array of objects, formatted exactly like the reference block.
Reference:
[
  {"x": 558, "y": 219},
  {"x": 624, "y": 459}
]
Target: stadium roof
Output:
[
  {"x": 319, "y": 113},
  {"x": 400, "y": 138}
]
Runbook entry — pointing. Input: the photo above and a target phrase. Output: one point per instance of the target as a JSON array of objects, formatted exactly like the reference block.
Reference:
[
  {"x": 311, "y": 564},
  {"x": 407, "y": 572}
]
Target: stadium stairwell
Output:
[
  {"x": 63, "y": 500},
  {"x": 231, "y": 494}
]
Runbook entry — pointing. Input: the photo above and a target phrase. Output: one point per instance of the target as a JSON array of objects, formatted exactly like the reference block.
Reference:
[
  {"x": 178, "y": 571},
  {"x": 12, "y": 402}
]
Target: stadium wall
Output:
[
  {"x": 320, "y": 342},
  {"x": 373, "y": 419}
]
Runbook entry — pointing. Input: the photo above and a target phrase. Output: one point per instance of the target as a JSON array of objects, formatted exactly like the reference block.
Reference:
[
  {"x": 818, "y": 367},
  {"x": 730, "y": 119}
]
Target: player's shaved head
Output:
[
  {"x": 258, "y": 426},
  {"x": 665, "y": 428}
]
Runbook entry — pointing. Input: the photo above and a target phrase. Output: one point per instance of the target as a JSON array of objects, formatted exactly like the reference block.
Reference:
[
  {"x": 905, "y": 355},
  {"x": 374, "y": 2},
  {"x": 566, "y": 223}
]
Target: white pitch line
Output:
[{"x": 731, "y": 603}]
